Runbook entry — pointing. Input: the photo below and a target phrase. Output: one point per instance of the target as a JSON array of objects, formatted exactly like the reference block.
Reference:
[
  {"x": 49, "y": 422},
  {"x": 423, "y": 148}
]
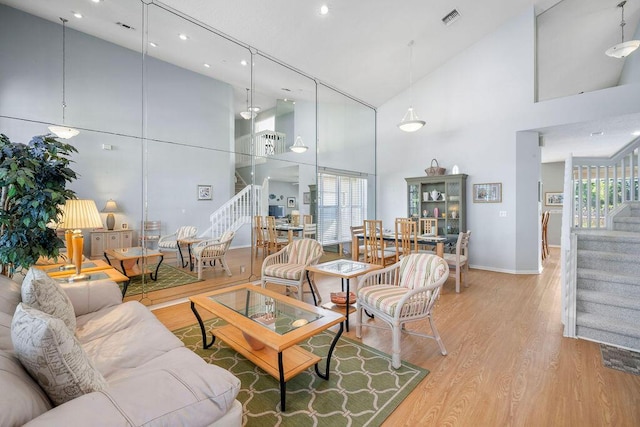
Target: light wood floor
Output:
[{"x": 508, "y": 363}]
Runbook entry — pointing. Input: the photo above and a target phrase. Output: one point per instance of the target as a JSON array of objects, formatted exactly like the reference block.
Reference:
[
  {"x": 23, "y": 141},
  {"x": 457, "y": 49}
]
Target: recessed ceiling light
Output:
[
  {"x": 636, "y": 133},
  {"x": 324, "y": 9},
  {"x": 183, "y": 37},
  {"x": 96, "y": 1},
  {"x": 77, "y": 15},
  {"x": 152, "y": 44},
  {"x": 206, "y": 65},
  {"x": 600, "y": 133},
  {"x": 243, "y": 63}
]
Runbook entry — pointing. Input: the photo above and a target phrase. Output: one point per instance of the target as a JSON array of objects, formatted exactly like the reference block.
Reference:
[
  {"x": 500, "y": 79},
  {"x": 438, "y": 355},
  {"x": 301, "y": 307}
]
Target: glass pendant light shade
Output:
[
  {"x": 623, "y": 48},
  {"x": 63, "y": 131},
  {"x": 410, "y": 122},
  {"x": 298, "y": 146}
]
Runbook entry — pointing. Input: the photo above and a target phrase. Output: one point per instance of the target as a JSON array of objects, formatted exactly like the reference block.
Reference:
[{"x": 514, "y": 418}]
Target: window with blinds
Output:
[{"x": 342, "y": 202}]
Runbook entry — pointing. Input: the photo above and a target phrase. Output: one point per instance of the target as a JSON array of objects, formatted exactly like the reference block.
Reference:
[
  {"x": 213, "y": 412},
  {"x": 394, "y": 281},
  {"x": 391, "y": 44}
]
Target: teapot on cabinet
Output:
[{"x": 435, "y": 194}]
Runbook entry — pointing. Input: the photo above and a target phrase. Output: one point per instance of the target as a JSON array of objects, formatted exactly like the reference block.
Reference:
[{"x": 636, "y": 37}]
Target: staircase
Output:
[
  {"x": 601, "y": 248},
  {"x": 608, "y": 284}
]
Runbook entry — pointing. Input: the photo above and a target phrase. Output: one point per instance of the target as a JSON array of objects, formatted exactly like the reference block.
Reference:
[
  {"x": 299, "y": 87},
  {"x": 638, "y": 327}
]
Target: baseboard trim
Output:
[{"x": 503, "y": 270}]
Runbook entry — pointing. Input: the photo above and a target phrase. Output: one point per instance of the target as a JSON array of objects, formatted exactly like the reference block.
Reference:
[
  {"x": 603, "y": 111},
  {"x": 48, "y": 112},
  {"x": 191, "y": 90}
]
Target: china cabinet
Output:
[{"x": 442, "y": 195}]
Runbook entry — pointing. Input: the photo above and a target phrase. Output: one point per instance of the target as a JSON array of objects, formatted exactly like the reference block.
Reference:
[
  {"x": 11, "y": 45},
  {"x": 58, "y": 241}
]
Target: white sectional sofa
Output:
[{"x": 151, "y": 378}]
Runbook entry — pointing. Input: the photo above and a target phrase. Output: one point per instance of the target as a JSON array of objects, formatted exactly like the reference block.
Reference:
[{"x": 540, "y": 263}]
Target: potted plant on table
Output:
[{"x": 33, "y": 180}]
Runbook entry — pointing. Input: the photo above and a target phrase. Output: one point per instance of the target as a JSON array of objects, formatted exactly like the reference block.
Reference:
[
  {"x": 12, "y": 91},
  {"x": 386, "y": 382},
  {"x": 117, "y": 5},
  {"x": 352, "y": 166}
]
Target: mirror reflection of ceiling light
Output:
[
  {"x": 298, "y": 146},
  {"x": 599, "y": 133},
  {"x": 250, "y": 112},
  {"x": 77, "y": 15},
  {"x": 63, "y": 132},
  {"x": 243, "y": 63},
  {"x": 623, "y": 48},
  {"x": 206, "y": 65},
  {"x": 324, "y": 9},
  {"x": 152, "y": 44},
  {"x": 636, "y": 133},
  {"x": 183, "y": 37}
]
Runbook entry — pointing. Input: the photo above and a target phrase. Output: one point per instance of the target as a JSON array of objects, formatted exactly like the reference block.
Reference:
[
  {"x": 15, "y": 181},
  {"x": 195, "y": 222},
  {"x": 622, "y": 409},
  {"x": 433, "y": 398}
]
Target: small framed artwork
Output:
[
  {"x": 205, "y": 192},
  {"x": 124, "y": 226},
  {"x": 291, "y": 202},
  {"x": 553, "y": 199},
  {"x": 487, "y": 193},
  {"x": 306, "y": 198}
]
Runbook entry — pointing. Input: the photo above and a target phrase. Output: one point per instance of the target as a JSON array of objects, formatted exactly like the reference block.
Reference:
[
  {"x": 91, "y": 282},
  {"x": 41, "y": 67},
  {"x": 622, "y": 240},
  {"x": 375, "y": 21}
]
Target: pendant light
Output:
[
  {"x": 410, "y": 122},
  {"x": 248, "y": 114},
  {"x": 298, "y": 146},
  {"x": 63, "y": 132},
  {"x": 623, "y": 48}
]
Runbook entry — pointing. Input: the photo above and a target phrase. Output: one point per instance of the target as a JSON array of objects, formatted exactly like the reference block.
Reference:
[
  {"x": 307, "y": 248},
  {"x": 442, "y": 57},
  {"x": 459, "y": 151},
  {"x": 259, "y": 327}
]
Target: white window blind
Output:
[{"x": 342, "y": 202}]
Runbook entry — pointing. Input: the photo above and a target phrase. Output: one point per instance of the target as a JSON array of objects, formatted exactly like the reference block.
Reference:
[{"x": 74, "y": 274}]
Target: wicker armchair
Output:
[
  {"x": 288, "y": 266},
  {"x": 210, "y": 251},
  {"x": 403, "y": 292}
]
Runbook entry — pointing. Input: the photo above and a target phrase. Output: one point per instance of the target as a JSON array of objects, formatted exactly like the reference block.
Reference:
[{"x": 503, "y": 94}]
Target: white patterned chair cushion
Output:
[
  {"x": 285, "y": 271},
  {"x": 303, "y": 250},
  {"x": 384, "y": 297},
  {"x": 416, "y": 272},
  {"x": 45, "y": 294},
  {"x": 171, "y": 241},
  {"x": 52, "y": 355}
]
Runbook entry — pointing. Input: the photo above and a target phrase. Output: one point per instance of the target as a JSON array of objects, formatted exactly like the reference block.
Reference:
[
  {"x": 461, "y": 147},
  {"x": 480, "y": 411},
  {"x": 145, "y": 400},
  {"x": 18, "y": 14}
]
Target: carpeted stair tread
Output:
[
  {"x": 608, "y": 256},
  {"x": 607, "y": 298},
  {"x": 604, "y": 276},
  {"x": 627, "y": 219},
  {"x": 611, "y": 235},
  {"x": 615, "y": 326}
]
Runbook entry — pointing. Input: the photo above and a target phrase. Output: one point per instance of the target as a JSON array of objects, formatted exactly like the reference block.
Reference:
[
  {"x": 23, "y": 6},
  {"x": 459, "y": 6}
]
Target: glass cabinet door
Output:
[{"x": 414, "y": 200}]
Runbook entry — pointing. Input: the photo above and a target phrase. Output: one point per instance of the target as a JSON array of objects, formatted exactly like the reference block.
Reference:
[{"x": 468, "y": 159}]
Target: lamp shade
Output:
[
  {"x": 80, "y": 214},
  {"x": 110, "y": 207}
]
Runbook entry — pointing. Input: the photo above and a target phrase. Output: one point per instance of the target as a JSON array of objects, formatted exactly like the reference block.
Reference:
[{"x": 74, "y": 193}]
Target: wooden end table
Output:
[{"x": 129, "y": 259}]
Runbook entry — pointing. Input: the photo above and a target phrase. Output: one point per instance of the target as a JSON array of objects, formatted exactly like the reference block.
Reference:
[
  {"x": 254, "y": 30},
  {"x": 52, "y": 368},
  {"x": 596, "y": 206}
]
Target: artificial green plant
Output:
[{"x": 33, "y": 180}]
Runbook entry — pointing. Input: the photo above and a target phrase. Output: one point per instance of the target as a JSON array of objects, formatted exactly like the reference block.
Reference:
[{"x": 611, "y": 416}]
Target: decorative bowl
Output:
[
  {"x": 340, "y": 298},
  {"x": 253, "y": 343}
]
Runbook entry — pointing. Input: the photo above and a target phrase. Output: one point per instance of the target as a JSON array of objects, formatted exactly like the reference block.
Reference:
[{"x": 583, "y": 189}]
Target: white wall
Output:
[{"x": 474, "y": 107}]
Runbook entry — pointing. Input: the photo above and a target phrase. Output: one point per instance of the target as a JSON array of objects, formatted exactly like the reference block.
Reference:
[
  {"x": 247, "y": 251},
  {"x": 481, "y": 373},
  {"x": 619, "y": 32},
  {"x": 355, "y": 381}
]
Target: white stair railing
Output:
[{"x": 239, "y": 210}]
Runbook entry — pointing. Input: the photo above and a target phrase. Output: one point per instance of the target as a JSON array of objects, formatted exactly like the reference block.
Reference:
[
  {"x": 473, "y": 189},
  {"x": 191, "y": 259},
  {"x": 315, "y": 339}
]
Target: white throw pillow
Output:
[
  {"x": 53, "y": 356},
  {"x": 45, "y": 294}
]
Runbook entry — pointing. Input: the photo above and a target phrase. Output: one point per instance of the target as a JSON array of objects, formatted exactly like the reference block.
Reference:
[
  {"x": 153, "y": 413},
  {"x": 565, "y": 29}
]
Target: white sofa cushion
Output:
[
  {"x": 22, "y": 399},
  {"x": 9, "y": 295},
  {"x": 53, "y": 356},
  {"x": 123, "y": 337},
  {"x": 45, "y": 294}
]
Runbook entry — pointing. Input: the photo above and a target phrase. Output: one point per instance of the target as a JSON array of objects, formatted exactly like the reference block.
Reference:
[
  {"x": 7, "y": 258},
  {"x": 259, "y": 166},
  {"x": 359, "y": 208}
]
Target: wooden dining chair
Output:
[
  {"x": 460, "y": 260},
  {"x": 356, "y": 232},
  {"x": 375, "y": 251},
  {"x": 428, "y": 226},
  {"x": 406, "y": 237},
  {"x": 274, "y": 242},
  {"x": 545, "y": 242},
  {"x": 259, "y": 231},
  {"x": 307, "y": 219}
]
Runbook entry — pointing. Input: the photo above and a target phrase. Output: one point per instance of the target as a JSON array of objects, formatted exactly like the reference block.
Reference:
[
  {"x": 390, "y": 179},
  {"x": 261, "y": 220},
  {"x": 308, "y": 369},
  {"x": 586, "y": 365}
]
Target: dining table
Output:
[{"x": 422, "y": 239}]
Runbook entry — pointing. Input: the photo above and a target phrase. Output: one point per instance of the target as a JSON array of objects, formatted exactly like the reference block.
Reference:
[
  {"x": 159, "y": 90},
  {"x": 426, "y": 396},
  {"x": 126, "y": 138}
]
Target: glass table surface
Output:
[
  {"x": 272, "y": 313},
  {"x": 136, "y": 251},
  {"x": 343, "y": 266}
]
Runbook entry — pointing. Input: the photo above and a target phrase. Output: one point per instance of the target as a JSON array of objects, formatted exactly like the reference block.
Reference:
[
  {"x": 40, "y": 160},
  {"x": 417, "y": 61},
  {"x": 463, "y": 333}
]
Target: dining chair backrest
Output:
[
  {"x": 406, "y": 237},
  {"x": 462, "y": 245},
  {"x": 307, "y": 219},
  {"x": 374, "y": 252},
  {"x": 295, "y": 219},
  {"x": 429, "y": 226},
  {"x": 259, "y": 230},
  {"x": 309, "y": 231}
]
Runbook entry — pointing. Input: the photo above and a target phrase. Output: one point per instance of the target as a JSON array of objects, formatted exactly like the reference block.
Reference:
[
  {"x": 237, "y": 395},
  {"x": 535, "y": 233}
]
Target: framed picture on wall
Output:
[
  {"x": 291, "y": 202},
  {"x": 306, "y": 198},
  {"x": 487, "y": 193},
  {"x": 553, "y": 199},
  {"x": 205, "y": 192}
]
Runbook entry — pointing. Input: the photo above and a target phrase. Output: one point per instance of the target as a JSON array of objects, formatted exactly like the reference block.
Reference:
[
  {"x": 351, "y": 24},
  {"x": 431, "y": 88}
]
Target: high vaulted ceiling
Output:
[{"x": 361, "y": 47}]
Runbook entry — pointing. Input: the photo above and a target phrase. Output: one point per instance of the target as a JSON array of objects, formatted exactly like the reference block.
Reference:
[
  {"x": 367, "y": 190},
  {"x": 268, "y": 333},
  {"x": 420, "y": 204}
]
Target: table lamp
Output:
[
  {"x": 76, "y": 215},
  {"x": 110, "y": 208}
]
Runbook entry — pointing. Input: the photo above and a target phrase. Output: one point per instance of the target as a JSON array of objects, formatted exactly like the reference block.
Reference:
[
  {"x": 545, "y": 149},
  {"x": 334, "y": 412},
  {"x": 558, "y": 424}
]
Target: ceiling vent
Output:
[
  {"x": 123, "y": 25},
  {"x": 451, "y": 17}
]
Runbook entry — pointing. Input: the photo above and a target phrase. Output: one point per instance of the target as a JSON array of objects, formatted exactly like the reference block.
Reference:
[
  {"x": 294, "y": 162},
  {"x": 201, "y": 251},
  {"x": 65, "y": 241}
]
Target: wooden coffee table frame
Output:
[{"x": 281, "y": 357}]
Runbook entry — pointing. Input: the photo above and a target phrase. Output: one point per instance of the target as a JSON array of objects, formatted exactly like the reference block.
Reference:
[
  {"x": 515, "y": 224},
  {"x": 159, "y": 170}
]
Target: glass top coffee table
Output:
[
  {"x": 265, "y": 327},
  {"x": 130, "y": 260}
]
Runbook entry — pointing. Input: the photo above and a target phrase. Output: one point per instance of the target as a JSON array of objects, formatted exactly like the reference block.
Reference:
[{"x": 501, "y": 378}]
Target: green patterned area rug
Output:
[
  {"x": 168, "y": 277},
  {"x": 363, "y": 389}
]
